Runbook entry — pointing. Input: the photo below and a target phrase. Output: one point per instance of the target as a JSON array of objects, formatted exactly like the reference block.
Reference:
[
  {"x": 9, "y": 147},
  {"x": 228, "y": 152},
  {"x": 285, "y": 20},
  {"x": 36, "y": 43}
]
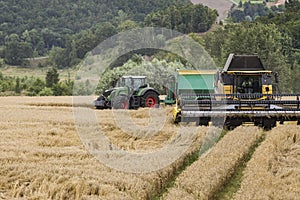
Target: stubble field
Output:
[{"x": 42, "y": 156}]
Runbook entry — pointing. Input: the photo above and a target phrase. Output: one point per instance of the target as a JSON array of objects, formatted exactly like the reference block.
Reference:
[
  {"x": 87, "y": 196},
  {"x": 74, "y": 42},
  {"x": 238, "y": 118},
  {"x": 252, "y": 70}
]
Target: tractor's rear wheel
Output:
[
  {"x": 121, "y": 102},
  {"x": 151, "y": 100}
]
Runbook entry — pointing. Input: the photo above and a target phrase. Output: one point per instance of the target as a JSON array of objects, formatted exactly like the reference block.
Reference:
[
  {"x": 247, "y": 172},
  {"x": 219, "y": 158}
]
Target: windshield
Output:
[
  {"x": 249, "y": 84},
  {"x": 134, "y": 83}
]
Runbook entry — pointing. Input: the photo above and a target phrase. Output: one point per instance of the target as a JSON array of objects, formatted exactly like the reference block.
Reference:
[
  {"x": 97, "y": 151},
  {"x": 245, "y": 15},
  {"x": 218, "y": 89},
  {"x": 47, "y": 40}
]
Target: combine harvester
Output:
[{"x": 243, "y": 92}]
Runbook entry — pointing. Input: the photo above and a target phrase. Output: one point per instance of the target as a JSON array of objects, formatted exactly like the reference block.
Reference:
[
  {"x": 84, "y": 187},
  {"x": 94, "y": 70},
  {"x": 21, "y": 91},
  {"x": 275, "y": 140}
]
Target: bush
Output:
[{"x": 46, "y": 92}]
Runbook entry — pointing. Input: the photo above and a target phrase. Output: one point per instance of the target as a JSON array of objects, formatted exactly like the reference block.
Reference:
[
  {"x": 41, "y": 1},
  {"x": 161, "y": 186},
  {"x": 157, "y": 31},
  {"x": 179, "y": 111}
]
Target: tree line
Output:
[
  {"x": 34, "y": 86},
  {"x": 68, "y": 48},
  {"x": 31, "y": 28},
  {"x": 185, "y": 19}
]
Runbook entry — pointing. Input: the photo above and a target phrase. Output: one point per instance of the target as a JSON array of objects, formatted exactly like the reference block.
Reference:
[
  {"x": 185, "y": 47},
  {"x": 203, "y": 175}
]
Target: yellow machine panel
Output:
[{"x": 267, "y": 89}]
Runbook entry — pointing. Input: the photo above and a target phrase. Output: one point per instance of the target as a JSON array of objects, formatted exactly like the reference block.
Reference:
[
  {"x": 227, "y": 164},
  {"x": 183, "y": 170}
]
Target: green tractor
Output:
[{"x": 131, "y": 92}]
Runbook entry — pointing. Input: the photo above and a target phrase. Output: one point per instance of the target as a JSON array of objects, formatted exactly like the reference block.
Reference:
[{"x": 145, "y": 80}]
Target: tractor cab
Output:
[{"x": 132, "y": 82}]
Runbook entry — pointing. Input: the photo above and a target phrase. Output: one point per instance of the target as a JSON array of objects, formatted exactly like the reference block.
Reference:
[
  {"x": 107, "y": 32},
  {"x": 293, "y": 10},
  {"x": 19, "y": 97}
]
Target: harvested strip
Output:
[
  {"x": 274, "y": 170},
  {"x": 208, "y": 175}
]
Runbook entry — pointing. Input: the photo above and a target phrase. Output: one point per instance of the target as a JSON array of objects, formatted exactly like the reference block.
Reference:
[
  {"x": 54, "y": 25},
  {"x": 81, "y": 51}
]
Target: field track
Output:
[{"x": 42, "y": 157}]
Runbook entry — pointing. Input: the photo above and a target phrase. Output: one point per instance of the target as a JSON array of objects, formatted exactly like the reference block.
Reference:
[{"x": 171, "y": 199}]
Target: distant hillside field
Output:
[{"x": 222, "y": 6}]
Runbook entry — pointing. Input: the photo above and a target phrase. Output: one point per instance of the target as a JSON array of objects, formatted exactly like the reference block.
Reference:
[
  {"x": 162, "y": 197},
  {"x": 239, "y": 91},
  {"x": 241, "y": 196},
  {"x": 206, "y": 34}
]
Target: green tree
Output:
[
  {"x": 36, "y": 87},
  {"x": 46, "y": 92},
  {"x": 59, "y": 57},
  {"x": 84, "y": 42},
  {"x": 16, "y": 50},
  {"x": 34, "y": 38},
  {"x": 249, "y": 38},
  {"x": 185, "y": 18},
  {"x": 104, "y": 31},
  {"x": 52, "y": 77},
  {"x": 18, "y": 86},
  {"x": 127, "y": 25}
]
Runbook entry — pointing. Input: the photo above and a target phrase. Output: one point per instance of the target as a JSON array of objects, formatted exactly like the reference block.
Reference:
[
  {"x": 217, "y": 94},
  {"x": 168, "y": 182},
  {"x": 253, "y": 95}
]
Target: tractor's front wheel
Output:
[
  {"x": 121, "y": 102},
  {"x": 151, "y": 100}
]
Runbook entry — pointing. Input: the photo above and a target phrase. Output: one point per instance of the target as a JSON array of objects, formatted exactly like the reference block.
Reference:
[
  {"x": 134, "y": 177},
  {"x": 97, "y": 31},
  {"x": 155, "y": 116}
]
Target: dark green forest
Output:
[
  {"x": 185, "y": 19},
  {"x": 32, "y": 28},
  {"x": 66, "y": 31}
]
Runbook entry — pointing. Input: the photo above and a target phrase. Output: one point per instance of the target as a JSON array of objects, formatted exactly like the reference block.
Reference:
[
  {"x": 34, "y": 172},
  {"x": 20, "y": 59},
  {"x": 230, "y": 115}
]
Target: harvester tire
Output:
[
  {"x": 121, "y": 102},
  {"x": 151, "y": 100},
  {"x": 202, "y": 121},
  {"x": 232, "y": 123},
  {"x": 269, "y": 123}
]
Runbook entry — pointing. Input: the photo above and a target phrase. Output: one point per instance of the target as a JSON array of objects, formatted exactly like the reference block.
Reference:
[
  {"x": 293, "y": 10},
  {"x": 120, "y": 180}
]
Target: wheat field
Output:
[
  {"x": 274, "y": 170},
  {"x": 42, "y": 155},
  {"x": 209, "y": 173}
]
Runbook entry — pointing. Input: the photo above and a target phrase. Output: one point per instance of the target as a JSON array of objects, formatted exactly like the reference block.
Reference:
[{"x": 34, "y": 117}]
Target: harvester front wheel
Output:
[
  {"x": 121, "y": 102},
  {"x": 269, "y": 123},
  {"x": 151, "y": 100},
  {"x": 202, "y": 121}
]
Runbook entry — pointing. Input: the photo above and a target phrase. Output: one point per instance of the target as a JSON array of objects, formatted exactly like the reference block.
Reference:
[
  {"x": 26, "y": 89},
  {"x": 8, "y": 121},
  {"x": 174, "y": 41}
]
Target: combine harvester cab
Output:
[{"x": 244, "y": 92}]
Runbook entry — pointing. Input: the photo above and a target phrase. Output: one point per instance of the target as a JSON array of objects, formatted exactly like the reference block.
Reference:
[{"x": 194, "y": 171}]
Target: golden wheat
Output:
[
  {"x": 207, "y": 175},
  {"x": 42, "y": 156},
  {"x": 274, "y": 169}
]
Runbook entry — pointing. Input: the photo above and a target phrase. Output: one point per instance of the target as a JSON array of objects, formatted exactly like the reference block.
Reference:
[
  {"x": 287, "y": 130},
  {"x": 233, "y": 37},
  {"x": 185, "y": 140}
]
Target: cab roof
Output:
[
  {"x": 243, "y": 63},
  {"x": 194, "y": 72},
  {"x": 134, "y": 77}
]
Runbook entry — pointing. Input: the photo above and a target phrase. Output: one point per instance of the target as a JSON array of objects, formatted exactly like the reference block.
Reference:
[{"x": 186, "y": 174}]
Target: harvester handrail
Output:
[
  {"x": 239, "y": 102},
  {"x": 238, "y": 95}
]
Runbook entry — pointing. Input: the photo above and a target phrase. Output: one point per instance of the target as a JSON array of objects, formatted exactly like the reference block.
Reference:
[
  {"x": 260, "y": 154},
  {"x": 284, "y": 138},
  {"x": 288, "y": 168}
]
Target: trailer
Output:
[{"x": 189, "y": 82}]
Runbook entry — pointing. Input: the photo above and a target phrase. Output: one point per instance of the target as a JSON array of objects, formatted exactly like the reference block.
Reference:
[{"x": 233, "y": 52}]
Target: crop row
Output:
[
  {"x": 205, "y": 177},
  {"x": 274, "y": 169}
]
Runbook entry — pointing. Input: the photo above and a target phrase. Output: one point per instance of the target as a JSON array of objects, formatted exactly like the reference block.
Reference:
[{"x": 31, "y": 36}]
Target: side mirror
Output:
[{"x": 276, "y": 77}]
